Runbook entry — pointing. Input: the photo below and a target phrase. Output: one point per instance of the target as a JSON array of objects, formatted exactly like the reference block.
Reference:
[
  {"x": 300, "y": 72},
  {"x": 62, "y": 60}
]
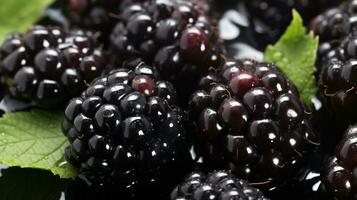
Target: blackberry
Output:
[
  {"x": 273, "y": 16},
  {"x": 216, "y": 185},
  {"x": 127, "y": 133},
  {"x": 250, "y": 120},
  {"x": 339, "y": 177},
  {"x": 48, "y": 66},
  {"x": 177, "y": 37},
  {"x": 333, "y": 25},
  {"x": 338, "y": 80}
]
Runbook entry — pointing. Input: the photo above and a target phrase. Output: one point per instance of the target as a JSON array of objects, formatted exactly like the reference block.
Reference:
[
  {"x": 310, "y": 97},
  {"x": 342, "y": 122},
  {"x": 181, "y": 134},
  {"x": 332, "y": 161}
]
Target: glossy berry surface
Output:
[
  {"x": 177, "y": 37},
  {"x": 127, "y": 135},
  {"x": 338, "y": 80},
  {"x": 48, "y": 66},
  {"x": 216, "y": 185},
  {"x": 250, "y": 120},
  {"x": 340, "y": 176},
  {"x": 335, "y": 22},
  {"x": 333, "y": 25}
]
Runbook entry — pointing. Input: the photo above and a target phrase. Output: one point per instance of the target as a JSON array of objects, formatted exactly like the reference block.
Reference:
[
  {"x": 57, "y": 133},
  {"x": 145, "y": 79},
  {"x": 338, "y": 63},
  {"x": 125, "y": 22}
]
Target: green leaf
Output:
[
  {"x": 19, "y": 15},
  {"x": 295, "y": 54},
  {"x": 30, "y": 184},
  {"x": 34, "y": 140}
]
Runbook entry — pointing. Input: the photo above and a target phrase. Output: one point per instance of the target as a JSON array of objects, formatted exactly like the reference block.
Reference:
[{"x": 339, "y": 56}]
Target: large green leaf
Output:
[
  {"x": 19, "y": 15},
  {"x": 34, "y": 140},
  {"x": 30, "y": 184},
  {"x": 295, "y": 54}
]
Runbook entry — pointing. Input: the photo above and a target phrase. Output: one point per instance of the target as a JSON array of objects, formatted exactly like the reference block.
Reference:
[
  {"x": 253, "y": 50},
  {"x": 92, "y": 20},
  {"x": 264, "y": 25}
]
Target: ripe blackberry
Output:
[
  {"x": 338, "y": 80},
  {"x": 333, "y": 25},
  {"x": 48, "y": 65},
  {"x": 340, "y": 174},
  {"x": 250, "y": 120},
  {"x": 177, "y": 37},
  {"x": 126, "y": 133},
  {"x": 217, "y": 185},
  {"x": 273, "y": 16}
]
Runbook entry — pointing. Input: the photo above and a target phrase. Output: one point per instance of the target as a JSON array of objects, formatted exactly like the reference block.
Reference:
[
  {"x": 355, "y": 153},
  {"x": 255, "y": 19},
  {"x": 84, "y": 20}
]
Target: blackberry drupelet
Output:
[
  {"x": 250, "y": 120},
  {"x": 273, "y": 16},
  {"x": 48, "y": 66},
  {"x": 127, "y": 133},
  {"x": 340, "y": 172},
  {"x": 216, "y": 185},
  {"x": 338, "y": 81},
  {"x": 177, "y": 37}
]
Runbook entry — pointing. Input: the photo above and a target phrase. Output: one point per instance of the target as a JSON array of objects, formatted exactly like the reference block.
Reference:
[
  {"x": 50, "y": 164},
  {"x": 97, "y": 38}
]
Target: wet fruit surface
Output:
[
  {"x": 48, "y": 66},
  {"x": 180, "y": 38},
  {"x": 250, "y": 121},
  {"x": 339, "y": 176},
  {"x": 218, "y": 184},
  {"x": 126, "y": 133},
  {"x": 128, "y": 137},
  {"x": 338, "y": 80}
]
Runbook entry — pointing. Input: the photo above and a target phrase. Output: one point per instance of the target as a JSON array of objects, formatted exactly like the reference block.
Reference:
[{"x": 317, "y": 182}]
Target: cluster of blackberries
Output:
[
  {"x": 152, "y": 96},
  {"x": 337, "y": 73}
]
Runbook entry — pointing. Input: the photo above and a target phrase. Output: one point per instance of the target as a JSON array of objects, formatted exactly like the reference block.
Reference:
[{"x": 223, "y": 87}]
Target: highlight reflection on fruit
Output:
[{"x": 178, "y": 99}]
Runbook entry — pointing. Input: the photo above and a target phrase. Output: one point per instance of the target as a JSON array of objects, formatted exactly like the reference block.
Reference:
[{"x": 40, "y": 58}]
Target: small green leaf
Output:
[
  {"x": 19, "y": 15},
  {"x": 30, "y": 184},
  {"x": 295, "y": 54},
  {"x": 34, "y": 140}
]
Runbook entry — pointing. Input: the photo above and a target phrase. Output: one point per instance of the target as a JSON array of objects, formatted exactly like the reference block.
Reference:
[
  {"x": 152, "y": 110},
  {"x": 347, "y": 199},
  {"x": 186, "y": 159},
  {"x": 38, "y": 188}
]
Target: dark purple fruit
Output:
[
  {"x": 340, "y": 175},
  {"x": 216, "y": 185},
  {"x": 338, "y": 81},
  {"x": 333, "y": 26},
  {"x": 250, "y": 120},
  {"x": 177, "y": 37},
  {"x": 127, "y": 135},
  {"x": 48, "y": 66}
]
